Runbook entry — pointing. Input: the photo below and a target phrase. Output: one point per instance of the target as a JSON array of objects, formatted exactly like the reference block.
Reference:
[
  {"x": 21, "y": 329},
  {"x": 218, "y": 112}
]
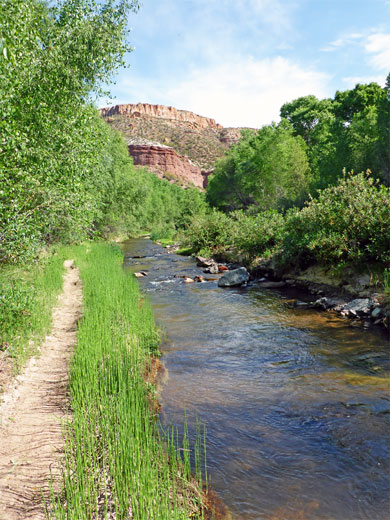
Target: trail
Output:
[{"x": 31, "y": 414}]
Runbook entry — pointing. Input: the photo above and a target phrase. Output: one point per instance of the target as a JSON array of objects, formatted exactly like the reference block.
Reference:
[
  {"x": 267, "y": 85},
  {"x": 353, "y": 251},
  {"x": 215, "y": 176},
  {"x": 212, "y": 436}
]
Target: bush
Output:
[
  {"x": 239, "y": 233},
  {"x": 348, "y": 223},
  {"x": 257, "y": 235},
  {"x": 208, "y": 234}
]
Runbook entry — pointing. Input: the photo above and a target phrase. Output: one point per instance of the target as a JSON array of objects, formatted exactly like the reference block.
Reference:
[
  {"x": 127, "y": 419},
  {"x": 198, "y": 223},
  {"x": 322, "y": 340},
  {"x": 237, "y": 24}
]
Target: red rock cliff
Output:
[
  {"x": 160, "y": 111},
  {"x": 166, "y": 163}
]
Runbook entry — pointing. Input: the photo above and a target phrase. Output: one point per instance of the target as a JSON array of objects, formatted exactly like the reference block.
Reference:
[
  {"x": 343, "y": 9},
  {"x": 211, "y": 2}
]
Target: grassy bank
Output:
[
  {"x": 27, "y": 295},
  {"x": 117, "y": 464}
]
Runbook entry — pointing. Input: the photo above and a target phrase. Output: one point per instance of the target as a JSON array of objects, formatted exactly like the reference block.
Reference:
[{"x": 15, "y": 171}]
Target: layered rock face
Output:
[
  {"x": 167, "y": 164},
  {"x": 177, "y": 145},
  {"x": 160, "y": 111}
]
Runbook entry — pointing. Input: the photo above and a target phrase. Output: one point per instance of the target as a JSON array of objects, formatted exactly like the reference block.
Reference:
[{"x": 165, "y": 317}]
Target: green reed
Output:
[{"x": 116, "y": 463}]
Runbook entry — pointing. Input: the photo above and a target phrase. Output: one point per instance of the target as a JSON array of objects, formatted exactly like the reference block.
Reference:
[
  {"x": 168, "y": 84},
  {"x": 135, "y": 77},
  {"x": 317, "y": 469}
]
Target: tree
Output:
[
  {"x": 305, "y": 115},
  {"x": 349, "y": 132},
  {"x": 267, "y": 170},
  {"x": 382, "y": 146},
  {"x": 53, "y": 142}
]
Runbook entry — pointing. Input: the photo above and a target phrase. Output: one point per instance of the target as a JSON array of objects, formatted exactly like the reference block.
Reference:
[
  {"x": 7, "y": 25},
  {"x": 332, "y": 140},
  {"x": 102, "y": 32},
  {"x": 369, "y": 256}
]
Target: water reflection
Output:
[{"x": 296, "y": 402}]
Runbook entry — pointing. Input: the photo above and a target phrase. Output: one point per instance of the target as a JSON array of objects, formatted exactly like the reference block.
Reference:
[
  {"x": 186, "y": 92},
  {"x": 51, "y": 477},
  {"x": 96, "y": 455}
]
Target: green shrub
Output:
[
  {"x": 27, "y": 295},
  {"x": 348, "y": 223},
  {"x": 258, "y": 234},
  {"x": 208, "y": 234}
]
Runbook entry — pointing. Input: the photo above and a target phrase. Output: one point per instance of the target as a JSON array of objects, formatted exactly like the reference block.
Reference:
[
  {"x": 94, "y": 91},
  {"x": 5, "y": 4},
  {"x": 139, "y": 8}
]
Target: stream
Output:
[{"x": 295, "y": 401}]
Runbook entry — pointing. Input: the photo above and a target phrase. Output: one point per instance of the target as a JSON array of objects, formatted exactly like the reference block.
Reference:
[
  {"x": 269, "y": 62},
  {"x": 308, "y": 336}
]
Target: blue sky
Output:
[{"x": 238, "y": 61}]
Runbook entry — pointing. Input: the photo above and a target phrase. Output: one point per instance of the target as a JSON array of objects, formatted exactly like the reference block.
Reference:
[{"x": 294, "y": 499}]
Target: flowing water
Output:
[{"x": 296, "y": 402}]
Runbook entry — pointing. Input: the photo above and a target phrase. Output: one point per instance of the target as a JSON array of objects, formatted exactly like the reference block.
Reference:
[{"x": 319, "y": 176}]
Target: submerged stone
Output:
[{"x": 272, "y": 285}]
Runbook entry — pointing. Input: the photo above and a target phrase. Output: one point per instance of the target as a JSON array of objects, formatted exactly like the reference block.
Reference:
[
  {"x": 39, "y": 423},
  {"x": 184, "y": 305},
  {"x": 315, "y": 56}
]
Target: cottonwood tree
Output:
[{"x": 54, "y": 59}]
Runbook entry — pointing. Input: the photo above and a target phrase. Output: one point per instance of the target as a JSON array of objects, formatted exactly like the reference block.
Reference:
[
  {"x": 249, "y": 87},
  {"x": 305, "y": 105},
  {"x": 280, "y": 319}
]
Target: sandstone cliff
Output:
[
  {"x": 160, "y": 111},
  {"x": 167, "y": 164},
  {"x": 175, "y": 144}
]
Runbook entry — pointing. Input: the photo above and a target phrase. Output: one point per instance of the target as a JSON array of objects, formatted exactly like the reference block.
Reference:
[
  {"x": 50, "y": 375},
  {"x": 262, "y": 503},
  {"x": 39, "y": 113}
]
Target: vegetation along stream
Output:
[{"x": 295, "y": 402}]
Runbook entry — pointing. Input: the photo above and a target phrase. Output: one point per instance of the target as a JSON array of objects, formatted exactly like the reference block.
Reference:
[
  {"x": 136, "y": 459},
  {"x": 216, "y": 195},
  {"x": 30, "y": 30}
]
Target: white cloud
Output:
[
  {"x": 352, "y": 81},
  {"x": 241, "y": 92},
  {"x": 378, "y": 45},
  {"x": 343, "y": 41}
]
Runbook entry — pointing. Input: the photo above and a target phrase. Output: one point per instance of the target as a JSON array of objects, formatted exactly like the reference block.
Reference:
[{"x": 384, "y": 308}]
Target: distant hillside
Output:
[{"x": 198, "y": 138}]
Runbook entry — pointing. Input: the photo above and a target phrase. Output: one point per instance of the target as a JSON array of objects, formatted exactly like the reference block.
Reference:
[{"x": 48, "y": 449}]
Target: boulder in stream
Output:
[
  {"x": 359, "y": 307},
  {"x": 233, "y": 278}
]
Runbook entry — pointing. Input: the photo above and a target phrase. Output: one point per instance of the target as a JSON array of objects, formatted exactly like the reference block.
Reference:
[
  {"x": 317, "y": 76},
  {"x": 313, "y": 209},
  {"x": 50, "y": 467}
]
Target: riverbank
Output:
[
  {"x": 337, "y": 242},
  {"x": 117, "y": 461},
  {"x": 350, "y": 294}
]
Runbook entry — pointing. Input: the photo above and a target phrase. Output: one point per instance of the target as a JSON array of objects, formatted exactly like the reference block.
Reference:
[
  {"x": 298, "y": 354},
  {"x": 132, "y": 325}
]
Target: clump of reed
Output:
[{"x": 117, "y": 463}]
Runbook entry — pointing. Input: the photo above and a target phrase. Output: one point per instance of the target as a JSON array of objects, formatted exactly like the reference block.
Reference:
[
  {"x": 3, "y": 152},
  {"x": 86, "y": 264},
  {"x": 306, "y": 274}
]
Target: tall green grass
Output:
[
  {"x": 117, "y": 464},
  {"x": 27, "y": 295}
]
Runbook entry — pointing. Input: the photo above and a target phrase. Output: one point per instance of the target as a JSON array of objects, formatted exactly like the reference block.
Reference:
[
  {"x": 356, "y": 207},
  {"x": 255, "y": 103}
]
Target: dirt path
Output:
[{"x": 30, "y": 416}]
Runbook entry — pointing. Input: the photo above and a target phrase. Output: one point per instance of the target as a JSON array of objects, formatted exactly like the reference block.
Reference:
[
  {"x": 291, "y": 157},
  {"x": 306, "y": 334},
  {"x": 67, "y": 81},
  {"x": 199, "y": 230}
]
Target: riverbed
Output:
[{"x": 295, "y": 401}]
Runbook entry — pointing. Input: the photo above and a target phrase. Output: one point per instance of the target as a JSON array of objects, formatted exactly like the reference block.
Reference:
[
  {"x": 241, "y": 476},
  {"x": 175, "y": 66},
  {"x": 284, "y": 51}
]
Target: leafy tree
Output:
[
  {"x": 267, "y": 170},
  {"x": 347, "y": 103},
  {"x": 348, "y": 132},
  {"x": 306, "y": 114},
  {"x": 53, "y": 142},
  {"x": 382, "y": 145}
]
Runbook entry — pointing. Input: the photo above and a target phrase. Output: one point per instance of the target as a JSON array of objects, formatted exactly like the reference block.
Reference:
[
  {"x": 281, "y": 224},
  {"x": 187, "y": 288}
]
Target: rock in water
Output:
[
  {"x": 201, "y": 261},
  {"x": 358, "y": 307},
  {"x": 213, "y": 269},
  {"x": 233, "y": 278},
  {"x": 141, "y": 274}
]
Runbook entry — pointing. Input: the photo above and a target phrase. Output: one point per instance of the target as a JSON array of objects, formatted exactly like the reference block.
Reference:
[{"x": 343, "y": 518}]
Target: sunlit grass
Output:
[{"x": 117, "y": 463}]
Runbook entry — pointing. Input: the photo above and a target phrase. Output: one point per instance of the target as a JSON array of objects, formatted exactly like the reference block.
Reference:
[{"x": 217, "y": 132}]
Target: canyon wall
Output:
[
  {"x": 167, "y": 164},
  {"x": 160, "y": 111}
]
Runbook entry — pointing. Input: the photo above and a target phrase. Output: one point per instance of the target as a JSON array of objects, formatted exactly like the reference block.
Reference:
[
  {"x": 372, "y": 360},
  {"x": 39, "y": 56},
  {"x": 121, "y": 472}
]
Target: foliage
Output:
[
  {"x": 26, "y": 299},
  {"x": 239, "y": 234},
  {"x": 208, "y": 234},
  {"x": 268, "y": 170},
  {"x": 53, "y": 142},
  {"x": 347, "y": 224},
  {"x": 386, "y": 281},
  {"x": 16, "y": 301},
  {"x": 138, "y": 200},
  {"x": 257, "y": 235},
  {"x": 350, "y": 131}
]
